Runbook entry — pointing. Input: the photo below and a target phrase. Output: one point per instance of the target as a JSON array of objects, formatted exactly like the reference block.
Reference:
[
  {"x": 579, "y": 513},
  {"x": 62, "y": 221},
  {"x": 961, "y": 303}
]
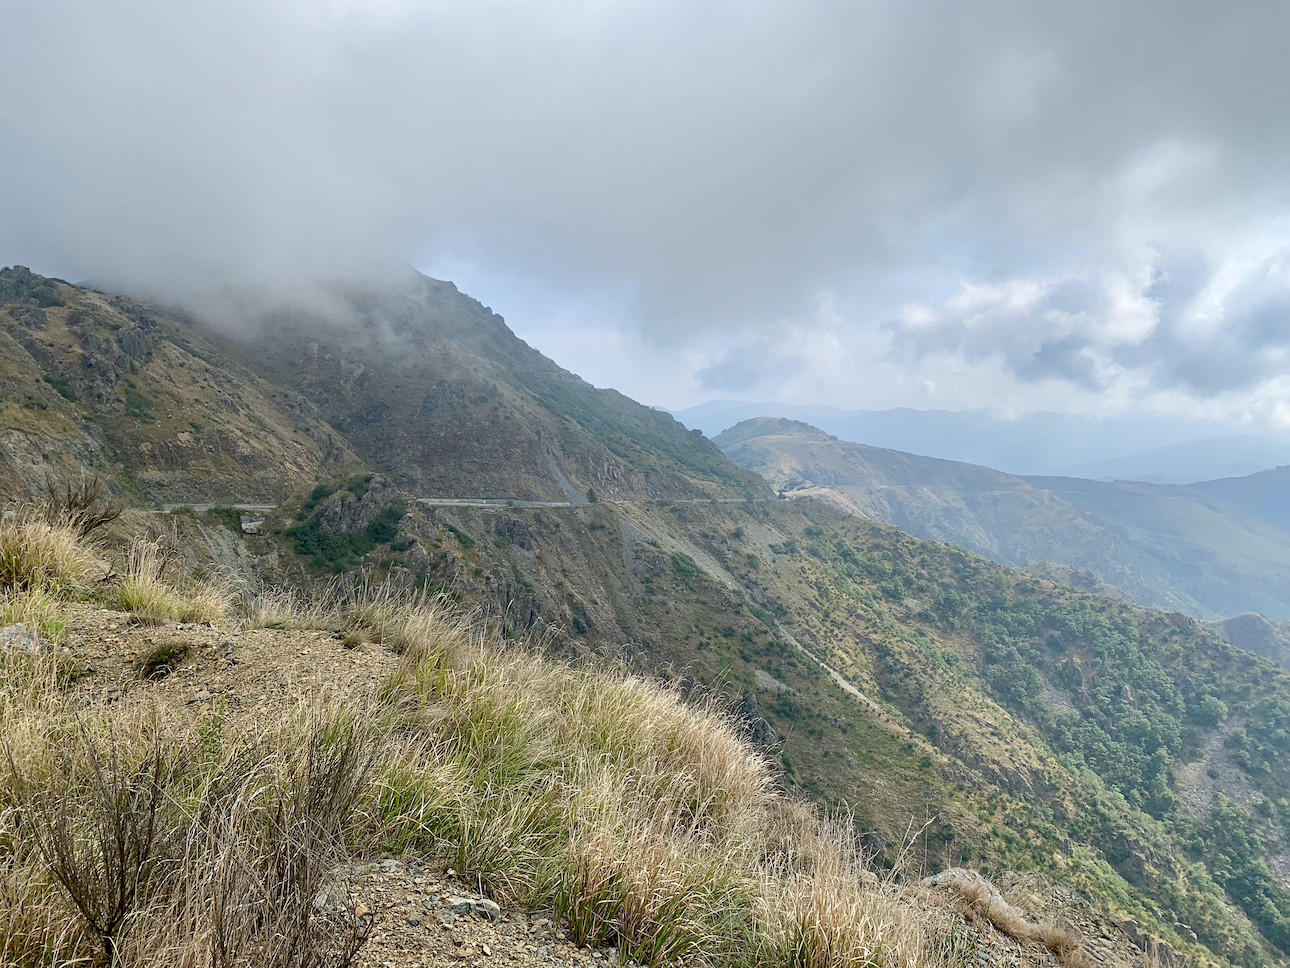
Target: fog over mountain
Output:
[{"x": 1008, "y": 206}]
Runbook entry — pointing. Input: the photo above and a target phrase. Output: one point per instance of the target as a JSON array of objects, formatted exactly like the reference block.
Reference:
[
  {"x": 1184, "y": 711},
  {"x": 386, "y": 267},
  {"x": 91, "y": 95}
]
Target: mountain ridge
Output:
[{"x": 1165, "y": 546}]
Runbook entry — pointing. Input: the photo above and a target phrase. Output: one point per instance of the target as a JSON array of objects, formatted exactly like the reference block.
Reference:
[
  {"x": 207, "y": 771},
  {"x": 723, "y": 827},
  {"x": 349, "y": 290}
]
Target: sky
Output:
[{"x": 1011, "y": 205}]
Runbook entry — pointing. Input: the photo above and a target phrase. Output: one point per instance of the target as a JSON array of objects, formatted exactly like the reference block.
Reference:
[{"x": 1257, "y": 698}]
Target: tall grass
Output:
[
  {"x": 37, "y": 553},
  {"x": 37, "y": 608},
  {"x": 641, "y": 818},
  {"x": 144, "y": 591}
]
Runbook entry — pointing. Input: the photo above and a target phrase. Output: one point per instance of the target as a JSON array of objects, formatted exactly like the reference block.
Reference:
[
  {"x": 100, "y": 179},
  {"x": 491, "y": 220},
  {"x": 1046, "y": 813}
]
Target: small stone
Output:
[
  {"x": 486, "y": 950},
  {"x": 414, "y": 921},
  {"x": 362, "y": 910}
]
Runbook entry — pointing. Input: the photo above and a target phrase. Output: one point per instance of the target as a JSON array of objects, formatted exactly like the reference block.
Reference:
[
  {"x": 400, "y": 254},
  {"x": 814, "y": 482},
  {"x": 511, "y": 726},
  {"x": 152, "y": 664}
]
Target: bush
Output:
[{"x": 84, "y": 503}]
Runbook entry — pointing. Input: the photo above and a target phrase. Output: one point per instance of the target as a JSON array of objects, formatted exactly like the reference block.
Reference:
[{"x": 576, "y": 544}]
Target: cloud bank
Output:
[{"x": 999, "y": 204}]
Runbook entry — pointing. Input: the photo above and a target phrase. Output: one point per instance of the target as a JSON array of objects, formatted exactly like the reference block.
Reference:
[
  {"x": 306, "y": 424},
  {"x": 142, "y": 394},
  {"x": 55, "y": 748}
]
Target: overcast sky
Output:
[{"x": 1070, "y": 206}]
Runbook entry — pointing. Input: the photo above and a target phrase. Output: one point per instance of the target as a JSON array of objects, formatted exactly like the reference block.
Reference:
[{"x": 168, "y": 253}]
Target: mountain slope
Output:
[
  {"x": 1029, "y": 726},
  {"x": 1168, "y": 547},
  {"x": 433, "y": 389},
  {"x": 90, "y": 380},
  {"x": 1265, "y": 494}
]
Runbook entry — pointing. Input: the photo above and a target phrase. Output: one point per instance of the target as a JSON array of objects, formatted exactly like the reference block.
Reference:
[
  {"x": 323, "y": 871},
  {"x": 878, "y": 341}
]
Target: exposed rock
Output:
[
  {"x": 480, "y": 907},
  {"x": 342, "y": 512},
  {"x": 755, "y": 728},
  {"x": 765, "y": 680},
  {"x": 23, "y": 637}
]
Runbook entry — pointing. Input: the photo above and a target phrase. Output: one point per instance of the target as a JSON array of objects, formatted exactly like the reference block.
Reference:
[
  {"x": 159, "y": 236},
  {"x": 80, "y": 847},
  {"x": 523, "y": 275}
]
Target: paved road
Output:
[
  {"x": 167, "y": 508},
  {"x": 485, "y": 502}
]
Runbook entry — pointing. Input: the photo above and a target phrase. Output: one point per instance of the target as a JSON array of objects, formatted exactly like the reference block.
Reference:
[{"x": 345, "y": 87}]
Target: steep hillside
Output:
[
  {"x": 1265, "y": 494},
  {"x": 90, "y": 380},
  {"x": 434, "y": 390},
  {"x": 1167, "y": 547},
  {"x": 1016, "y": 724}
]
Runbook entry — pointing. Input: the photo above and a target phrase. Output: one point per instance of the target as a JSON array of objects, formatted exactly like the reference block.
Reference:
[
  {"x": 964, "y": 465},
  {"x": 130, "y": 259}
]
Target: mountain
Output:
[
  {"x": 1031, "y": 443},
  {"x": 1167, "y": 547},
  {"x": 1254, "y": 632},
  {"x": 1265, "y": 494},
  {"x": 418, "y": 381},
  {"x": 91, "y": 380},
  {"x": 1233, "y": 455},
  {"x": 1015, "y": 724}
]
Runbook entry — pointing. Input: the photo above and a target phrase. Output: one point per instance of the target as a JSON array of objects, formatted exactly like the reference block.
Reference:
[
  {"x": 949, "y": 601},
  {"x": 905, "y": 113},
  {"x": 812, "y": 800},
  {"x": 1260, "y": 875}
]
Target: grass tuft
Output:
[
  {"x": 144, "y": 592},
  {"x": 40, "y": 554}
]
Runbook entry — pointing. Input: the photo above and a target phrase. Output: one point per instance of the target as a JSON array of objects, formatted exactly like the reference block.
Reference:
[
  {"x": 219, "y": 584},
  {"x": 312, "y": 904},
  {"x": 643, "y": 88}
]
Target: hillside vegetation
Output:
[
  {"x": 957, "y": 712},
  {"x": 1265, "y": 494},
  {"x": 1018, "y": 724},
  {"x": 134, "y": 831},
  {"x": 1167, "y": 547}
]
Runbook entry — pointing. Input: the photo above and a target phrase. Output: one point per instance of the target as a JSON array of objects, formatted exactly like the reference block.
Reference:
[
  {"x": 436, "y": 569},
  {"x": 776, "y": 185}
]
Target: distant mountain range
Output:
[
  {"x": 1161, "y": 450},
  {"x": 1168, "y": 547}
]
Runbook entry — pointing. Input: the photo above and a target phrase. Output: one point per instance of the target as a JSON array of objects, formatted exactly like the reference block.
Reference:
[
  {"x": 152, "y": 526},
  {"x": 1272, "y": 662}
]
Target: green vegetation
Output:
[
  {"x": 343, "y": 551},
  {"x": 1170, "y": 548},
  {"x": 63, "y": 387},
  {"x": 137, "y": 405},
  {"x": 643, "y": 821}
]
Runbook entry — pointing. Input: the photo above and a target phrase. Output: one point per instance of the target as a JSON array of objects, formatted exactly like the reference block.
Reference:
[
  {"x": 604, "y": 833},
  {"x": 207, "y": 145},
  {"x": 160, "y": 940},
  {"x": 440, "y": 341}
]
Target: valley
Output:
[{"x": 956, "y": 710}]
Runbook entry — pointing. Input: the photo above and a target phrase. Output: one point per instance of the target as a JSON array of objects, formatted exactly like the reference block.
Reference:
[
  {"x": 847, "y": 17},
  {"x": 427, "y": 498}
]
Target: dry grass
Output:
[
  {"x": 642, "y": 819},
  {"x": 37, "y": 608},
  {"x": 144, "y": 591},
  {"x": 37, "y": 553},
  {"x": 981, "y": 901}
]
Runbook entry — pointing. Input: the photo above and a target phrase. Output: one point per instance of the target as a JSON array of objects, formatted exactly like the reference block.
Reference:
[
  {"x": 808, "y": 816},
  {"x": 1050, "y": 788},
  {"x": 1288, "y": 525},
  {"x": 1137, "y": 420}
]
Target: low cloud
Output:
[{"x": 1107, "y": 178}]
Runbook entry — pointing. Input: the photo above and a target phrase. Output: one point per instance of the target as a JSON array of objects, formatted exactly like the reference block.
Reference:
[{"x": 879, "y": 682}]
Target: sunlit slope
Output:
[{"x": 1168, "y": 547}]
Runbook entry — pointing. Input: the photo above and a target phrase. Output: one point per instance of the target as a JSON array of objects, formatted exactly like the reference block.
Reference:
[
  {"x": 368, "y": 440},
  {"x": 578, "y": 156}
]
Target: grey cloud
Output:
[
  {"x": 723, "y": 161},
  {"x": 1201, "y": 345},
  {"x": 763, "y": 365}
]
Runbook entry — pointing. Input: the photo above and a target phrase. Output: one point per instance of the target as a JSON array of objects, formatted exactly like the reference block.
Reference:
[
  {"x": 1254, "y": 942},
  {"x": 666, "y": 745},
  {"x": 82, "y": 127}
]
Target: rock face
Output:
[
  {"x": 343, "y": 512},
  {"x": 756, "y": 728}
]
